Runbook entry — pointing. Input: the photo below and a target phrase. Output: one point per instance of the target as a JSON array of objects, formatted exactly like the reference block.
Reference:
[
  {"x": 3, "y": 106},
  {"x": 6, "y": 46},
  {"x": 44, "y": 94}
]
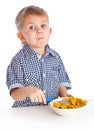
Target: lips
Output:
[{"x": 40, "y": 38}]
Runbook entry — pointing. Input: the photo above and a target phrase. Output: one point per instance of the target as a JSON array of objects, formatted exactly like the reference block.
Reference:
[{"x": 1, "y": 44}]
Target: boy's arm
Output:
[{"x": 35, "y": 94}]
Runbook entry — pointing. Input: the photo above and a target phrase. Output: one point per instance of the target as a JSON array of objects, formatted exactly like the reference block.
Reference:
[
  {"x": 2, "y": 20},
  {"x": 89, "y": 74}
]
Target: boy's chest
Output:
[
  {"x": 38, "y": 67},
  {"x": 41, "y": 73}
]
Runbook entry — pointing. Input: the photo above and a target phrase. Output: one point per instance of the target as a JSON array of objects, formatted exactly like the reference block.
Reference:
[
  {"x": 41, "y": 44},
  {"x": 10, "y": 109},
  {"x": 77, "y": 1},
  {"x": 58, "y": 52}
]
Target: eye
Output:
[
  {"x": 44, "y": 26},
  {"x": 32, "y": 27}
]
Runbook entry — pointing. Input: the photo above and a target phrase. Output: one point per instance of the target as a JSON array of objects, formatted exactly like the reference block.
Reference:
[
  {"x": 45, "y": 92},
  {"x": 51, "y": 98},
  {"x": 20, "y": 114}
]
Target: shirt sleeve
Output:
[
  {"x": 63, "y": 76},
  {"x": 14, "y": 76}
]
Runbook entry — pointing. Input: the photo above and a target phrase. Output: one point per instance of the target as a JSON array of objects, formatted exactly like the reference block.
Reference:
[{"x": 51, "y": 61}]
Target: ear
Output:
[
  {"x": 20, "y": 36},
  {"x": 50, "y": 30}
]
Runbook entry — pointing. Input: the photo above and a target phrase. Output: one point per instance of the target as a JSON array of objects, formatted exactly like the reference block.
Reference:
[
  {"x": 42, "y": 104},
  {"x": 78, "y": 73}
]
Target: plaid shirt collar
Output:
[{"x": 29, "y": 52}]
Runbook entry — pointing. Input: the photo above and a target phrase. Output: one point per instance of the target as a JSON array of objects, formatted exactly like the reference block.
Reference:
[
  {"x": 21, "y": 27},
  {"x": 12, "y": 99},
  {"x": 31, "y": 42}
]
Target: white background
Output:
[{"x": 72, "y": 22}]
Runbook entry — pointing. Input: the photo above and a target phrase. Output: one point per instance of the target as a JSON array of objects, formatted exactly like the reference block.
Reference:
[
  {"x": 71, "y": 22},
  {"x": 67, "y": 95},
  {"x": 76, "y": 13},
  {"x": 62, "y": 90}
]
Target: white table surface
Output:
[{"x": 43, "y": 117}]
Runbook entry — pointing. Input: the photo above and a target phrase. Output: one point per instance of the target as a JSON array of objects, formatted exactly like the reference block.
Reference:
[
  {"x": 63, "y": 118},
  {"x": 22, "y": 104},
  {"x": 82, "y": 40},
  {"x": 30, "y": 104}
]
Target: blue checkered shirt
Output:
[{"x": 27, "y": 68}]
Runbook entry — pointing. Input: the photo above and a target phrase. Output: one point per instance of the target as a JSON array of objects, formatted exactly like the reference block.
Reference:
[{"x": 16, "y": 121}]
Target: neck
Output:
[{"x": 40, "y": 51}]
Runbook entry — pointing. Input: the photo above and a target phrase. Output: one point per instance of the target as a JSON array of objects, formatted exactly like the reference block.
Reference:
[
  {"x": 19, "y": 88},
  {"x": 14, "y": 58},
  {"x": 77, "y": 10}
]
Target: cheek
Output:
[
  {"x": 48, "y": 35},
  {"x": 30, "y": 37}
]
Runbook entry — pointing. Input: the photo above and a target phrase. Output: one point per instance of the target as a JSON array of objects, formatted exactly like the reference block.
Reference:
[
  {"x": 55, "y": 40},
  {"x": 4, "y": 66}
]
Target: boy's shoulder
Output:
[
  {"x": 22, "y": 52},
  {"x": 18, "y": 56},
  {"x": 55, "y": 53}
]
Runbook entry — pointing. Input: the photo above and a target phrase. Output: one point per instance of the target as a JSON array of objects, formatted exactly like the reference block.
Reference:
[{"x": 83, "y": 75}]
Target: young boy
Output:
[{"x": 36, "y": 72}]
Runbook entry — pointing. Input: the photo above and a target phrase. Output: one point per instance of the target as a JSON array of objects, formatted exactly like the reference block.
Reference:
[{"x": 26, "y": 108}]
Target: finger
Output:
[
  {"x": 43, "y": 98},
  {"x": 31, "y": 98},
  {"x": 39, "y": 98},
  {"x": 34, "y": 98}
]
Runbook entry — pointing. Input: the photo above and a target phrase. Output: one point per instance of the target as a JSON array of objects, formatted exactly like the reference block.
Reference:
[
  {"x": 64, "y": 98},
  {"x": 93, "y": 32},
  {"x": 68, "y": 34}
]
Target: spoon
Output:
[
  {"x": 64, "y": 101},
  {"x": 49, "y": 99},
  {"x": 61, "y": 101}
]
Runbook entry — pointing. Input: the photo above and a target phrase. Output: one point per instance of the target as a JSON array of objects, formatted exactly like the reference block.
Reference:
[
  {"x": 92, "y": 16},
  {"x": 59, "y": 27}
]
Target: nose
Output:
[{"x": 39, "y": 30}]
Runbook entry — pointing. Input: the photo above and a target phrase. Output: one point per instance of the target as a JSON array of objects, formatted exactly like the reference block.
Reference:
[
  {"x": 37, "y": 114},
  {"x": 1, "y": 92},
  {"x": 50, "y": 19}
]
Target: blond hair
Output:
[{"x": 29, "y": 10}]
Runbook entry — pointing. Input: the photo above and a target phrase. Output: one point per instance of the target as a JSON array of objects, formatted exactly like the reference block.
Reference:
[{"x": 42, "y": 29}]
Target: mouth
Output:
[{"x": 40, "y": 38}]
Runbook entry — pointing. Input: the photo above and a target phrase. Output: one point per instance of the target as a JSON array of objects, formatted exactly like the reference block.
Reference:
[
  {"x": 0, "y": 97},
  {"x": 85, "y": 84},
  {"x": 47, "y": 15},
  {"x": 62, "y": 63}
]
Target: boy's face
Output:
[{"x": 35, "y": 31}]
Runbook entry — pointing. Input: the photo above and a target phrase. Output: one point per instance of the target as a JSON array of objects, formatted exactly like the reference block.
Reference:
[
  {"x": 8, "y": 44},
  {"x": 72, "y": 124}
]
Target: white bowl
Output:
[{"x": 72, "y": 112}]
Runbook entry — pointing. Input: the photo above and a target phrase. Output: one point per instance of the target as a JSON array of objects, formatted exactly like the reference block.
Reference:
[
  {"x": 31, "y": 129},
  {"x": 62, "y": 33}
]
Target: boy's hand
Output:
[
  {"x": 35, "y": 94},
  {"x": 63, "y": 92},
  {"x": 68, "y": 95}
]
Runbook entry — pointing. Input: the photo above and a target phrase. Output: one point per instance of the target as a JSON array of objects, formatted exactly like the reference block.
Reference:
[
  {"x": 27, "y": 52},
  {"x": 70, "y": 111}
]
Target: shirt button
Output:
[
  {"x": 55, "y": 76},
  {"x": 43, "y": 75},
  {"x": 26, "y": 79}
]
